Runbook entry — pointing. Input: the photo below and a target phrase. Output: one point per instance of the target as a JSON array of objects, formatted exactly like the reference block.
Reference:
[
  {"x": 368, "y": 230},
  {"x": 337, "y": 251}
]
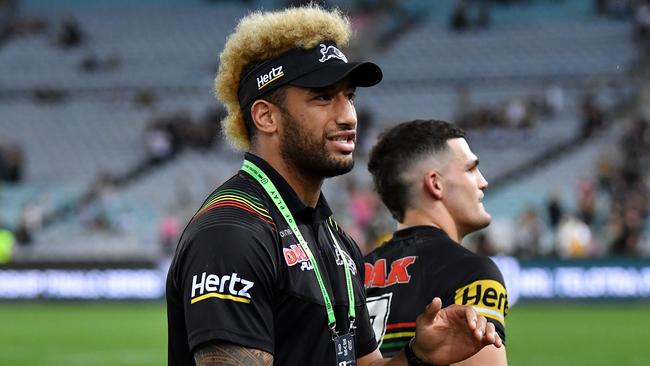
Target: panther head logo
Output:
[{"x": 329, "y": 52}]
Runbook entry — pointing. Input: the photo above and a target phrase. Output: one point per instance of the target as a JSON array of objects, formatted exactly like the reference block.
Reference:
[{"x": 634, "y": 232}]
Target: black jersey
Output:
[
  {"x": 240, "y": 276},
  {"x": 417, "y": 264}
]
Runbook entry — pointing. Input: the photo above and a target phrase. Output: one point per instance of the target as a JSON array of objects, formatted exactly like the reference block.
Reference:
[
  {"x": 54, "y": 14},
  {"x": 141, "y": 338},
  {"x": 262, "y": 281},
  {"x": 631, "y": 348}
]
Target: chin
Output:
[
  {"x": 332, "y": 167},
  {"x": 340, "y": 169},
  {"x": 346, "y": 159},
  {"x": 485, "y": 216},
  {"x": 483, "y": 221},
  {"x": 342, "y": 159},
  {"x": 486, "y": 222},
  {"x": 341, "y": 155}
]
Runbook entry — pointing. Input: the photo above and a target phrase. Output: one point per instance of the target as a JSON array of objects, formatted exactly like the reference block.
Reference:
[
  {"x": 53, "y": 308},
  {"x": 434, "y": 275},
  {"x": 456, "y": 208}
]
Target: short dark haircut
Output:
[{"x": 397, "y": 149}]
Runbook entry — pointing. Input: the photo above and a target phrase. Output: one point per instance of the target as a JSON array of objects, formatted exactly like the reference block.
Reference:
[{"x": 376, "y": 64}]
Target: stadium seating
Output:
[
  {"x": 148, "y": 52},
  {"x": 561, "y": 177},
  {"x": 431, "y": 52},
  {"x": 108, "y": 133},
  {"x": 171, "y": 51}
]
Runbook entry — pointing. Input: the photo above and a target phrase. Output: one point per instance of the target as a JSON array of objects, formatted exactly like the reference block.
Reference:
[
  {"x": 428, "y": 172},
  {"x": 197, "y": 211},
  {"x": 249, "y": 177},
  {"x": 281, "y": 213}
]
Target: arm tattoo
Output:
[{"x": 226, "y": 354}]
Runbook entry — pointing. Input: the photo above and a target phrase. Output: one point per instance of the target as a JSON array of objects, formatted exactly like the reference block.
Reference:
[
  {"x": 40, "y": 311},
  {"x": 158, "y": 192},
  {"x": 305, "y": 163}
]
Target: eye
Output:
[
  {"x": 322, "y": 97},
  {"x": 352, "y": 96}
]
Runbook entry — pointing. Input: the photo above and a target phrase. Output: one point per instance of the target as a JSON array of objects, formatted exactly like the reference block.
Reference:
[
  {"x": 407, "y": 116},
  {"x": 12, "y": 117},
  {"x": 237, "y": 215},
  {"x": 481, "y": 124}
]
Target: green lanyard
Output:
[{"x": 264, "y": 180}]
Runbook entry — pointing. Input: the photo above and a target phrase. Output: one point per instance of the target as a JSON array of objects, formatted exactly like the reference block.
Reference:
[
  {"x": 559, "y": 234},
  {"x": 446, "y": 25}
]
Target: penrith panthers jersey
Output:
[
  {"x": 416, "y": 265},
  {"x": 240, "y": 276}
]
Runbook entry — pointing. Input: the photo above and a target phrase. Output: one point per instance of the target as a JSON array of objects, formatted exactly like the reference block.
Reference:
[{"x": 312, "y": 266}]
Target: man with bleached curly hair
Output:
[{"x": 263, "y": 274}]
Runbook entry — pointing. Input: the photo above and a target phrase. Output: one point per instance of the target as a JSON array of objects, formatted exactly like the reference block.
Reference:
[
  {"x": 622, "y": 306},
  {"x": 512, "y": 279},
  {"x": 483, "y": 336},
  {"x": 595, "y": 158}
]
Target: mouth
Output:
[{"x": 344, "y": 141}]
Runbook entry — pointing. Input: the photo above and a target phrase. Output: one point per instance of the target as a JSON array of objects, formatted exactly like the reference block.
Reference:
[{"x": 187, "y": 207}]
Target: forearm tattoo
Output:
[{"x": 226, "y": 354}]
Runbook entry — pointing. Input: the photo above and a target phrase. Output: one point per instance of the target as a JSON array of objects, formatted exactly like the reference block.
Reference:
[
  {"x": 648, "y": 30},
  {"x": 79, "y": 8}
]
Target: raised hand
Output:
[{"x": 452, "y": 334}]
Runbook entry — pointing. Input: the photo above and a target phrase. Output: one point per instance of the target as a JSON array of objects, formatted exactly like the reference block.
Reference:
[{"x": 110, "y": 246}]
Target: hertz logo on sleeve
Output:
[
  {"x": 487, "y": 297},
  {"x": 228, "y": 287}
]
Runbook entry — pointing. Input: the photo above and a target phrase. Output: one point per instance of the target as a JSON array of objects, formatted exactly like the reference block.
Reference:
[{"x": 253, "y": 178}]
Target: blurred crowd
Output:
[
  {"x": 608, "y": 218},
  {"x": 12, "y": 162},
  {"x": 470, "y": 15},
  {"x": 642, "y": 30},
  {"x": 609, "y": 215},
  {"x": 520, "y": 112},
  {"x": 164, "y": 138},
  {"x": 166, "y": 135}
]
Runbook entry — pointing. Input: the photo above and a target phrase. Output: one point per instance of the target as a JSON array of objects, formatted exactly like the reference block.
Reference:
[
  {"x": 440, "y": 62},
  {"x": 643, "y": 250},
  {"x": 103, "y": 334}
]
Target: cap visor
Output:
[{"x": 362, "y": 74}]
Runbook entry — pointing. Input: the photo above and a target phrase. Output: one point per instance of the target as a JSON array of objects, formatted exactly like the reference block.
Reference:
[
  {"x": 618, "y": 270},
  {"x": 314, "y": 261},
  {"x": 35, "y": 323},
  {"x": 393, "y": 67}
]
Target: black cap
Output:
[{"x": 318, "y": 67}]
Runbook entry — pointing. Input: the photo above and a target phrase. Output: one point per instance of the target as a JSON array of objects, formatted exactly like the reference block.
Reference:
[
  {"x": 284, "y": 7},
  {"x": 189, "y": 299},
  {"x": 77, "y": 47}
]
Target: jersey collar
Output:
[
  {"x": 297, "y": 207},
  {"x": 419, "y": 230}
]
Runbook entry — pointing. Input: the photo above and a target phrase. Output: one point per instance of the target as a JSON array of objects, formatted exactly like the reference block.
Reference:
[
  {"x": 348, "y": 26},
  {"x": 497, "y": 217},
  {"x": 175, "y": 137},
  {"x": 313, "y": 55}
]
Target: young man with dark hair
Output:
[
  {"x": 428, "y": 177},
  {"x": 263, "y": 274}
]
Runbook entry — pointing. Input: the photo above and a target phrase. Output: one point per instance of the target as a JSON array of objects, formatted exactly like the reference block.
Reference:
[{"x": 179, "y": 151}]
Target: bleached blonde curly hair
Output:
[{"x": 264, "y": 35}]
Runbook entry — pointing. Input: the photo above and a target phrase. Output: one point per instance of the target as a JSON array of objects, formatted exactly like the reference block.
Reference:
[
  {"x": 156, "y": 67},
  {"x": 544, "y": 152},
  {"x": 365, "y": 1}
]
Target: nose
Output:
[
  {"x": 482, "y": 182},
  {"x": 346, "y": 114}
]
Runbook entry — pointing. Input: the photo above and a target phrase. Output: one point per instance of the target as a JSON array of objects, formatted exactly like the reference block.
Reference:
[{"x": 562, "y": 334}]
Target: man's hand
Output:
[{"x": 452, "y": 334}]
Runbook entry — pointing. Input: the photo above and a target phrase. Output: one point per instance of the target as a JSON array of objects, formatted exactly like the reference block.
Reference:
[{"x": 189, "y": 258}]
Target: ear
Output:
[
  {"x": 262, "y": 113},
  {"x": 433, "y": 184}
]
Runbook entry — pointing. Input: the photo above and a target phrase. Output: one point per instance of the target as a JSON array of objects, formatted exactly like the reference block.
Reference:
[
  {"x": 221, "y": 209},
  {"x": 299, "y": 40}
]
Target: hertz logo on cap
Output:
[
  {"x": 488, "y": 297},
  {"x": 265, "y": 79}
]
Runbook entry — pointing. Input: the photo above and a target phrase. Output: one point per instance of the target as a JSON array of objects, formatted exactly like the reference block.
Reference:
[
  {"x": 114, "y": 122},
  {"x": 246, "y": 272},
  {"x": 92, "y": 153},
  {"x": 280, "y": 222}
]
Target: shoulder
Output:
[
  {"x": 479, "y": 267},
  {"x": 233, "y": 222},
  {"x": 422, "y": 241},
  {"x": 387, "y": 249},
  {"x": 482, "y": 286},
  {"x": 237, "y": 205},
  {"x": 467, "y": 272}
]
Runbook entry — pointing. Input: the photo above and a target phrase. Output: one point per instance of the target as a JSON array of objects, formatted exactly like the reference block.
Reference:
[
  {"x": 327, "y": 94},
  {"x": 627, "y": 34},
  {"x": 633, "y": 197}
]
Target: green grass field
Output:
[{"x": 135, "y": 334}]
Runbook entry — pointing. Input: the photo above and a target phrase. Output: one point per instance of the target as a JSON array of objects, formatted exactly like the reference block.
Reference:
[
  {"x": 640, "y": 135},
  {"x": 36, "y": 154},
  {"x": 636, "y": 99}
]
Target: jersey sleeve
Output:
[
  {"x": 227, "y": 282},
  {"x": 484, "y": 289}
]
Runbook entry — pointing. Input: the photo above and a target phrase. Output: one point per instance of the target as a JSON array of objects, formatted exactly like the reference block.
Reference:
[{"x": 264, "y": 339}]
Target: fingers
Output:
[
  {"x": 432, "y": 309},
  {"x": 490, "y": 332},
  {"x": 481, "y": 324},
  {"x": 472, "y": 317},
  {"x": 491, "y": 336},
  {"x": 498, "y": 343},
  {"x": 487, "y": 334},
  {"x": 435, "y": 305},
  {"x": 484, "y": 332}
]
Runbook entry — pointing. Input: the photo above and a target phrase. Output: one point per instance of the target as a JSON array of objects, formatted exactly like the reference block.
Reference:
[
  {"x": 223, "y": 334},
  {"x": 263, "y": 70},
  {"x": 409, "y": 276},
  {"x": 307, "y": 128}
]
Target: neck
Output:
[
  {"x": 306, "y": 187},
  {"x": 416, "y": 217}
]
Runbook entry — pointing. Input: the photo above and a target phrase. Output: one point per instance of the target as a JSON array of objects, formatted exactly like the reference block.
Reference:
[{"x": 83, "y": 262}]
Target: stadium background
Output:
[{"x": 108, "y": 143}]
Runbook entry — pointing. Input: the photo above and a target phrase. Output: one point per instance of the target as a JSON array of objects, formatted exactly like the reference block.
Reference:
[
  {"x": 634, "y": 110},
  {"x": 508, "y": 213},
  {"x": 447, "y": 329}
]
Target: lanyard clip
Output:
[
  {"x": 335, "y": 333},
  {"x": 352, "y": 326}
]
